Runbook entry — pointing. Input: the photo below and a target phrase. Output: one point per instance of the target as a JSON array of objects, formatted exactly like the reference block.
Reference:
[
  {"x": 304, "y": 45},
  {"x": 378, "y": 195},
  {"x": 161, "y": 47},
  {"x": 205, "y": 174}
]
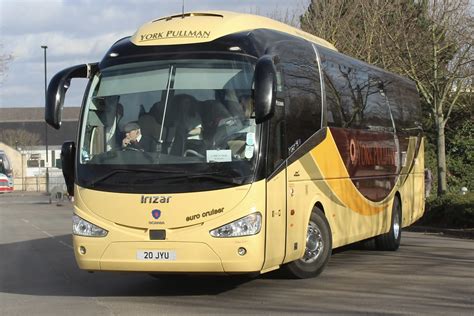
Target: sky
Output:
[{"x": 81, "y": 31}]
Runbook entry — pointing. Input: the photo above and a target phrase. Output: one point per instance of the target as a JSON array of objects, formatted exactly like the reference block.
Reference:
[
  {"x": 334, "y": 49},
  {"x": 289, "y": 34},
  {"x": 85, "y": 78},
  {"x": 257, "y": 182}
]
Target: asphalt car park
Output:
[{"x": 429, "y": 274}]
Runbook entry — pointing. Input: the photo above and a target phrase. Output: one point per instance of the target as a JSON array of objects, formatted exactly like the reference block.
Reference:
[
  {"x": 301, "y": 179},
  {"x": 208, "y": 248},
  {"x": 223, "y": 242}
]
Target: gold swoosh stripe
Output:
[{"x": 329, "y": 162}]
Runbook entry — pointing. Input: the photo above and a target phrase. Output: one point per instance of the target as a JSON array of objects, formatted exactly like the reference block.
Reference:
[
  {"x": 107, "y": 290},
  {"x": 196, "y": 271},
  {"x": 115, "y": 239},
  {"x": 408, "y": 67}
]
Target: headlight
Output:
[
  {"x": 245, "y": 226},
  {"x": 82, "y": 227}
]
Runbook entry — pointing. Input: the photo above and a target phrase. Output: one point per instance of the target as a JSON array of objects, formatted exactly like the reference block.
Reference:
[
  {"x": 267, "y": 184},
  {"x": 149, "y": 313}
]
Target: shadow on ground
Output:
[{"x": 47, "y": 267}]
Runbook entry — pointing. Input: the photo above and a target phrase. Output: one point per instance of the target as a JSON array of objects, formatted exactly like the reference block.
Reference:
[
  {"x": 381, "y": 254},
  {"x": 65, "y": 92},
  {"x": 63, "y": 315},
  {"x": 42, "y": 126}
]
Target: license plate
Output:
[{"x": 156, "y": 255}]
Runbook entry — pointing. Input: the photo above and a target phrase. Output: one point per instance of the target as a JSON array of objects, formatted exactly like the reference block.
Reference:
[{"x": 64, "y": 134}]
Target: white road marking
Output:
[
  {"x": 64, "y": 244},
  {"x": 46, "y": 233},
  {"x": 36, "y": 227}
]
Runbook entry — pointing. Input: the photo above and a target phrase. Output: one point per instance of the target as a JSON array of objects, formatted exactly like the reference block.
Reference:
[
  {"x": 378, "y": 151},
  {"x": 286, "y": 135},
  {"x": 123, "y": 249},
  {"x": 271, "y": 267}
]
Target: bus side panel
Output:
[
  {"x": 347, "y": 226},
  {"x": 321, "y": 176},
  {"x": 412, "y": 190},
  {"x": 275, "y": 220},
  {"x": 298, "y": 213},
  {"x": 419, "y": 190}
]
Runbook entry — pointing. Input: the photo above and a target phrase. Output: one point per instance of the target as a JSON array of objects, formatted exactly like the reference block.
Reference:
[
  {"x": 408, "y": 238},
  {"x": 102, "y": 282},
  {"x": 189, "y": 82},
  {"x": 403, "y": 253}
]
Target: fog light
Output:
[
  {"x": 242, "y": 251},
  {"x": 82, "y": 250}
]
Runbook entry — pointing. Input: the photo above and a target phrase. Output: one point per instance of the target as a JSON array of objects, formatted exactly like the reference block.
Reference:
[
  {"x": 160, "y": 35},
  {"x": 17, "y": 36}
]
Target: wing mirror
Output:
[
  {"x": 57, "y": 89},
  {"x": 265, "y": 88}
]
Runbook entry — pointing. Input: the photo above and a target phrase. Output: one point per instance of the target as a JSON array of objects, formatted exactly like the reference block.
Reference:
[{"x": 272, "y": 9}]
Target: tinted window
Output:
[
  {"x": 277, "y": 140},
  {"x": 303, "y": 90},
  {"x": 376, "y": 112},
  {"x": 404, "y": 103},
  {"x": 354, "y": 94}
]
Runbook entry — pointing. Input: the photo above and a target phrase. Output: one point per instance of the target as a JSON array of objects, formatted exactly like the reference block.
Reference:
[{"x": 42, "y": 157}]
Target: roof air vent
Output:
[{"x": 187, "y": 15}]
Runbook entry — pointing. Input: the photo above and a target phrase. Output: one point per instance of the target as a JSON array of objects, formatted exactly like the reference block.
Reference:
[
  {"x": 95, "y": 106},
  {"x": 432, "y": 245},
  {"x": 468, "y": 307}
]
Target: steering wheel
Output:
[
  {"x": 192, "y": 152},
  {"x": 130, "y": 148}
]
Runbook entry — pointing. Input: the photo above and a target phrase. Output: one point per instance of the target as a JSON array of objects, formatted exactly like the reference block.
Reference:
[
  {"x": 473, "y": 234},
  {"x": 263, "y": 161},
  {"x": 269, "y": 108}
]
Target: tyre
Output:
[
  {"x": 391, "y": 241},
  {"x": 318, "y": 248}
]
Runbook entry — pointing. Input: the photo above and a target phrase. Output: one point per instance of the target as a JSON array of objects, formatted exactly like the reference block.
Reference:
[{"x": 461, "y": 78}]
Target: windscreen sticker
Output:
[
  {"x": 248, "y": 152},
  {"x": 218, "y": 155},
  {"x": 250, "y": 139}
]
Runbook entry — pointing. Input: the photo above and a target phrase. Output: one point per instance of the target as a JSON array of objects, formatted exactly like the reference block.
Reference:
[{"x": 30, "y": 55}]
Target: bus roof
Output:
[{"x": 200, "y": 27}]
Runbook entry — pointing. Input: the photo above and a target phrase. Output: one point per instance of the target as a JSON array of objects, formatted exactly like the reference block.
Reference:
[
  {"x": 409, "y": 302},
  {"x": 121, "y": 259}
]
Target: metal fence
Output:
[{"x": 38, "y": 183}]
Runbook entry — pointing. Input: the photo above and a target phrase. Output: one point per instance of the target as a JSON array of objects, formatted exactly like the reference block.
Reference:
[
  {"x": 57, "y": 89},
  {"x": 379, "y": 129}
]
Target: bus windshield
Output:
[{"x": 191, "y": 117}]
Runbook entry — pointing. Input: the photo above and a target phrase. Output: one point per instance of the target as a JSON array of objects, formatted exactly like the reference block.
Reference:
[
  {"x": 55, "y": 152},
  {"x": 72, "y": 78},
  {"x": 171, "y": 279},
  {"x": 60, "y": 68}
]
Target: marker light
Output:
[
  {"x": 245, "y": 226},
  {"x": 82, "y": 250},
  {"x": 82, "y": 227}
]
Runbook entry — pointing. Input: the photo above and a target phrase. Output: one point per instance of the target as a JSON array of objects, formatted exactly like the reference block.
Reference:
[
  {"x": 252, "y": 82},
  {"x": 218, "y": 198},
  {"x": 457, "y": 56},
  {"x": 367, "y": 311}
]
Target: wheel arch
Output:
[
  {"x": 398, "y": 196},
  {"x": 320, "y": 206}
]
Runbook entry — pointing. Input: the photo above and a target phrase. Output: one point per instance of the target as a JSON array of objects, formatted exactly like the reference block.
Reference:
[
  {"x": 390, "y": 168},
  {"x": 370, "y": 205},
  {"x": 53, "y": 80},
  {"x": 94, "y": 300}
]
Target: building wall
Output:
[
  {"x": 15, "y": 159},
  {"x": 31, "y": 119},
  {"x": 34, "y": 178}
]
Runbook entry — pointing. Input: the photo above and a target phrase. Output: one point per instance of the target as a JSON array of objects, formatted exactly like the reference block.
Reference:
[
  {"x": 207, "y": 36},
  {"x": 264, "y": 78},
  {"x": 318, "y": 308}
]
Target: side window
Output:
[
  {"x": 344, "y": 91},
  {"x": 353, "y": 94},
  {"x": 404, "y": 103},
  {"x": 354, "y": 87},
  {"x": 277, "y": 142},
  {"x": 376, "y": 114},
  {"x": 302, "y": 86}
]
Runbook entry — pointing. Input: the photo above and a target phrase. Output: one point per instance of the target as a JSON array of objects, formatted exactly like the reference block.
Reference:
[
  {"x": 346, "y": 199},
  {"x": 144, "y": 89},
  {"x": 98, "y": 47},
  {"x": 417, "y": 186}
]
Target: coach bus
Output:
[{"x": 218, "y": 142}]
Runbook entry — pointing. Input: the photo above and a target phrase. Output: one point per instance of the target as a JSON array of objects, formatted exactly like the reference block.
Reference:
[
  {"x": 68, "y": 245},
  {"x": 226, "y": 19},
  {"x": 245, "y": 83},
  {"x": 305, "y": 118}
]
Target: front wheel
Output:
[
  {"x": 391, "y": 241},
  {"x": 318, "y": 248}
]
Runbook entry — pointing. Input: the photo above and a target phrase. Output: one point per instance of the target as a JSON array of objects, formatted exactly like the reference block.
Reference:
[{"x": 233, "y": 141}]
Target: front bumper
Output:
[{"x": 191, "y": 257}]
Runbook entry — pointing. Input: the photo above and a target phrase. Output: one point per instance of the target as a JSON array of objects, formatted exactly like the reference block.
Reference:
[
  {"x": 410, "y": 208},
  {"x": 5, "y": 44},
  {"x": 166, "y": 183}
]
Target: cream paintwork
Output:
[
  {"x": 127, "y": 209},
  {"x": 223, "y": 24},
  {"x": 276, "y": 221},
  {"x": 413, "y": 191},
  {"x": 350, "y": 215},
  {"x": 197, "y": 250}
]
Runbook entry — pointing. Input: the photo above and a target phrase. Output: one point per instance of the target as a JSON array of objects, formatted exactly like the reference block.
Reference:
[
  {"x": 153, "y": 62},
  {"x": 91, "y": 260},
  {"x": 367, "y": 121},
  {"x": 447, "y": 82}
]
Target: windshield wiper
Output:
[
  {"x": 205, "y": 176},
  {"x": 115, "y": 171},
  {"x": 212, "y": 176}
]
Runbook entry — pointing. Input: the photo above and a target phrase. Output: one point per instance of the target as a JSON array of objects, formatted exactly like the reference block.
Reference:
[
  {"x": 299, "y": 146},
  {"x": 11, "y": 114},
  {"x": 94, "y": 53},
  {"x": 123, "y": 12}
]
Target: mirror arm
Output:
[
  {"x": 68, "y": 154},
  {"x": 57, "y": 88}
]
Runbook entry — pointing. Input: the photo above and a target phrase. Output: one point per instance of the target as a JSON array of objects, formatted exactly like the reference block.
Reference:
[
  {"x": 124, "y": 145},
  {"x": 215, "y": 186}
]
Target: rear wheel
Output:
[
  {"x": 391, "y": 241},
  {"x": 318, "y": 248}
]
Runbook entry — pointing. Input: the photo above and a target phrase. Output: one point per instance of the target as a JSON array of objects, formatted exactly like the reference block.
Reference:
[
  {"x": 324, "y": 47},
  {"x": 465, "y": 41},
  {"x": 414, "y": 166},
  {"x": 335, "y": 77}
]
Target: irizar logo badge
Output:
[{"x": 155, "y": 199}]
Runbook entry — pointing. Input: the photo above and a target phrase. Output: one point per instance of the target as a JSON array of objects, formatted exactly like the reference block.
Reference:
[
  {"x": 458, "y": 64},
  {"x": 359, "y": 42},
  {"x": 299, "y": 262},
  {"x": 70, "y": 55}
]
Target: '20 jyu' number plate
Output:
[{"x": 159, "y": 255}]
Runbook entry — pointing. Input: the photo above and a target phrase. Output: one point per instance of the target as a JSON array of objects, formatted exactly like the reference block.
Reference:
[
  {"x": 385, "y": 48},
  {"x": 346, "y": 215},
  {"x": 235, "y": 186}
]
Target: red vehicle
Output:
[
  {"x": 6, "y": 173},
  {"x": 6, "y": 185}
]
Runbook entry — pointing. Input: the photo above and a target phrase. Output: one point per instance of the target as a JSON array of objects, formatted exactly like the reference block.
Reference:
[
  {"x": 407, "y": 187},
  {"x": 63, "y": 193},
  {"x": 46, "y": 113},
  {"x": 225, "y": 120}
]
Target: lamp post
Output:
[{"x": 44, "y": 47}]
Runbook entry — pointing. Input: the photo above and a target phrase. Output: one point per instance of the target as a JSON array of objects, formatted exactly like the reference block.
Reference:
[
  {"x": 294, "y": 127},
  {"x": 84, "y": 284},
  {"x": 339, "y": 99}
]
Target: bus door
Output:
[
  {"x": 276, "y": 190},
  {"x": 276, "y": 220}
]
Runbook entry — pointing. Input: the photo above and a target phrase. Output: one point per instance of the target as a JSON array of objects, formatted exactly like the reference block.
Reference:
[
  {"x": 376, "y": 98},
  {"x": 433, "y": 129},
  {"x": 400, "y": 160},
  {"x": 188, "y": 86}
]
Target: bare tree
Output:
[
  {"x": 19, "y": 138},
  {"x": 441, "y": 62},
  {"x": 429, "y": 41},
  {"x": 5, "y": 59}
]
